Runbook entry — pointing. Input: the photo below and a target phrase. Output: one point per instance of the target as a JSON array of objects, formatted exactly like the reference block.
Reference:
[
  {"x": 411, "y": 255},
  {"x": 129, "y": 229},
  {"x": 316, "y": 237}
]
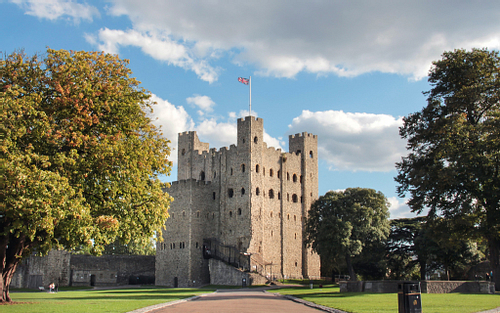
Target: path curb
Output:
[
  {"x": 162, "y": 305},
  {"x": 313, "y": 305}
]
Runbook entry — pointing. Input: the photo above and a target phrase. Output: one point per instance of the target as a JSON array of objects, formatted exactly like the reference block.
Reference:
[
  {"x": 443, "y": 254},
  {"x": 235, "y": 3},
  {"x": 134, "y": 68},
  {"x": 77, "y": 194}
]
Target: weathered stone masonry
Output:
[{"x": 249, "y": 197}]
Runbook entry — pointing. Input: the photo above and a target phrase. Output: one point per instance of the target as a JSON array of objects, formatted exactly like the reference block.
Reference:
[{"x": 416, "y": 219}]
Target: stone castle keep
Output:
[{"x": 239, "y": 210}]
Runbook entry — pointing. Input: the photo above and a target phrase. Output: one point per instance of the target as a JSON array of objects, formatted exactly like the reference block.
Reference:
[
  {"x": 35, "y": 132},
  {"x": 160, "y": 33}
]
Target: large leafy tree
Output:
[
  {"x": 80, "y": 159},
  {"x": 417, "y": 244},
  {"x": 341, "y": 224},
  {"x": 453, "y": 167}
]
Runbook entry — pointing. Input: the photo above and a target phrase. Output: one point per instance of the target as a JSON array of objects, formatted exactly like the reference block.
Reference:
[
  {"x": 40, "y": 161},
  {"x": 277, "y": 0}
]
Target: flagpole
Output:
[{"x": 250, "y": 82}]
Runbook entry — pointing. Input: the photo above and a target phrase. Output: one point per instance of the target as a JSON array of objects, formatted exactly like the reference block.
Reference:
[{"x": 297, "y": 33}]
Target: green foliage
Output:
[
  {"x": 80, "y": 160},
  {"x": 416, "y": 244},
  {"x": 453, "y": 168},
  {"x": 341, "y": 224},
  {"x": 137, "y": 246}
]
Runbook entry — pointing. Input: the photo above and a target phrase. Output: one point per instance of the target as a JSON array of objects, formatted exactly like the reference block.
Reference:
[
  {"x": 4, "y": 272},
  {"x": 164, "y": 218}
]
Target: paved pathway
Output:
[{"x": 243, "y": 301}]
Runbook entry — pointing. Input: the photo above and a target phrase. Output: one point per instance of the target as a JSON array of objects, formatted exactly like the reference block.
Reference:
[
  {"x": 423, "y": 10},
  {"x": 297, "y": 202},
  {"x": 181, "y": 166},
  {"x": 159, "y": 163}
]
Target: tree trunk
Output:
[
  {"x": 4, "y": 240},
  {"x": 11, "y": 251},
  {"x": 423, "y": 269},
  {"x": 350, "y": 268},
  {"x": 495, "y": 262}
]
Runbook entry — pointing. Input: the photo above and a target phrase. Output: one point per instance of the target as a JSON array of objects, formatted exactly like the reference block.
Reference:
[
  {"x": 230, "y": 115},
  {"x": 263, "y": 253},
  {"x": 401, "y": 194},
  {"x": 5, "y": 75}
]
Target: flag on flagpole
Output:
[{"x": 243, "y": 80}]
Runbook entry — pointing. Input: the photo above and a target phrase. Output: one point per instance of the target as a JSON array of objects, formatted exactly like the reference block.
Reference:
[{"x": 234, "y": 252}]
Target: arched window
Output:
[
  {"x": 257, "y": 168},
  {"x": 230, "y": 213},
  {"x": 231, "y": 171},
  {"x": 295, "y": 218},
  {"x": 279, "y": 195},
  {"x": 288, "y": 216},
  {"x": 213, "y": 195},
  {"x": 271, "y": 173},
  {"x": 271, "y": 214},
  {"x": 183, "y": 151},
  {"x": 197, "y": 214},
  {"x": 271, "y": 194},
  {"x": 287, "y": 197},
  {"x": 294, "y": 178},
  {"x": 279, "y": 174},
  {"x": 300, "y": 179},
  {"x": 310, "y": 154},
  {"x": 239, "y": 211},
  {"x": 287, "y": 176},
  {"x": 202, "y": 175},
  {"x": 183, "y": 213},
  {"x": 295, "y": 198},
  {"x": 257, "y": 191},
  {"x": 215, "y": 174},
  {"x": 242, "y": 191},
  {"x": 230, "y": 192},
  {"x": 255, "y": 139},
  {"x": 243, "y": 168}
]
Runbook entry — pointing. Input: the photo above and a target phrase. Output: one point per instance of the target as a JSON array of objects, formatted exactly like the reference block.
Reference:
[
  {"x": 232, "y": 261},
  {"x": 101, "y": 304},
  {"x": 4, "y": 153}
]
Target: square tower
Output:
[{"x": 245, "y": 206}]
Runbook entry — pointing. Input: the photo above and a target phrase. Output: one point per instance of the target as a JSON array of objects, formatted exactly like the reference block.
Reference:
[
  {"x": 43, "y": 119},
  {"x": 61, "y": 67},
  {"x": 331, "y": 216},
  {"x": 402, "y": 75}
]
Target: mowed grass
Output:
[
  {"x": 124, "y": 300},
  {"x": 357, "y": 302},
  {"x": 116, "y": 300}
]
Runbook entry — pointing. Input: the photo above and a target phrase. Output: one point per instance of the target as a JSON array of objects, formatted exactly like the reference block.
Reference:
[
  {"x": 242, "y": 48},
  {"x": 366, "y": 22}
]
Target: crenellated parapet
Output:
[{"x": 303, "y": 135}]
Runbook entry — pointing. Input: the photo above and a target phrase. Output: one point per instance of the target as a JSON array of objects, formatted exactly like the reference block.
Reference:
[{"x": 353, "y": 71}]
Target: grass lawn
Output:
[
  {"x": 330, "y": 296},
  {"x": 116, "y": 300}
]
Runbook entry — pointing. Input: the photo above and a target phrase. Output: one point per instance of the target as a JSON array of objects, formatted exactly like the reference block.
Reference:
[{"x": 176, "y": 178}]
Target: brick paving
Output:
[{"x": 243, "y": 301}]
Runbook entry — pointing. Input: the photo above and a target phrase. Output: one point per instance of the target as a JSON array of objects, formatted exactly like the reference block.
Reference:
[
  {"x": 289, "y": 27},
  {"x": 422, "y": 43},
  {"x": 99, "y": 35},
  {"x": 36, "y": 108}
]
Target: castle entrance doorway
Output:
[{"x": 176, "y": 282}]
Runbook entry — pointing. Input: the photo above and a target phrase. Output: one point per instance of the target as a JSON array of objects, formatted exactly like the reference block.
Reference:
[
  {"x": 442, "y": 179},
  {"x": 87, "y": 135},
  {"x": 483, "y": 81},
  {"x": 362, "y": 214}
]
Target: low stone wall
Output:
[
  {"x": 427, "y": 286},
  {"x": 226, "y": 275},
  {"x": 65, "y": 269}
]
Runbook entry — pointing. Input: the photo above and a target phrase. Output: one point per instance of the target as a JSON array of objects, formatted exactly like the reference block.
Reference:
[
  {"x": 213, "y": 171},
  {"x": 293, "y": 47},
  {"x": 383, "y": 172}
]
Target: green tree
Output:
[
  {"x": 416, "y": 244},
  {"x": 136, "y": 246},
  {"x": 341, "y": 224},
  {"x": 453, "y": 167},
  {"x": 80, "y": 159},
  {"x": 404, "y": 252}
]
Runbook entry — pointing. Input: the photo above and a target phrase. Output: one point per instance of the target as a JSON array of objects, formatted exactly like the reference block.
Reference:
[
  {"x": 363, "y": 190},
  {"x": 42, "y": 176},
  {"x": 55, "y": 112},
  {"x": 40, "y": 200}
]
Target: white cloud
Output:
[
  {"x": 158, "y": 45},
  {"x": 205, "y": 103},
  {"x": 54, "y": 9},
  {"x": 346, "y": 38},
  {"x": 354, "y": 141},
  {"x": 399, "y": 209},
  {"x": 217, "y": 134},
  {"x": 172, "y": 120}
]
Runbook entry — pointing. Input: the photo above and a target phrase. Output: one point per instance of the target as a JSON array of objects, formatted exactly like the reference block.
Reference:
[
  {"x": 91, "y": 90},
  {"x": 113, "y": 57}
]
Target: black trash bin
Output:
[{"x": 409, "y": 298}]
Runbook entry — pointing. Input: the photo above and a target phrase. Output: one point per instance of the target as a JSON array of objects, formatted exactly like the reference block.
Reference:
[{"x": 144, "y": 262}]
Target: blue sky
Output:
[{"x": 347, "y": 71}]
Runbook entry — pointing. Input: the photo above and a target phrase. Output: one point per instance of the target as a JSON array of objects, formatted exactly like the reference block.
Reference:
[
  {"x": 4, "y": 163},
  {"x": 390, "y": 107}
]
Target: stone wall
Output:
[
  {"x": 428, "y": 286},
  {"x": 226, "y": 275},
  {"x": 112, "y": 270},
  {"x": 249, "y": 196},
  {"x": 65, "y": 269}
]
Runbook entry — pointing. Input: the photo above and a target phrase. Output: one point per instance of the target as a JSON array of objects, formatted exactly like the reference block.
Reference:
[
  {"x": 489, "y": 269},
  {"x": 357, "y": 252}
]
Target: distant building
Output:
[{"x": 245, "y": 206}]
